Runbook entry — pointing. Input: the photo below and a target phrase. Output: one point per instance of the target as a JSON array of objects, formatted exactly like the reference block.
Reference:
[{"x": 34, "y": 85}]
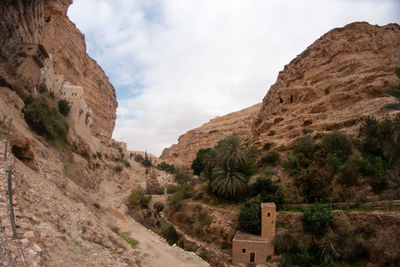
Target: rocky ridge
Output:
[
  {"x": 236, "y": 123},
  {"x": 332, "y": 85}
]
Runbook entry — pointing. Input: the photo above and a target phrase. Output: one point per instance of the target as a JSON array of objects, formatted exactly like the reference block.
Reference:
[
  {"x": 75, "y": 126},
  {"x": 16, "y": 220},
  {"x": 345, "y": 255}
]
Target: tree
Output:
[
  {"x": 317, "y": 219},
  {"x": 228, "y": 182},
  {"x": 250, "y": 217},
  {"x": 64, "y": 107},
  {"x": 199, "y": 162},
  {"x": 230, "y": 175},
  {"x": 146, "y": 161},
  {"x": 232, "y": 152}
]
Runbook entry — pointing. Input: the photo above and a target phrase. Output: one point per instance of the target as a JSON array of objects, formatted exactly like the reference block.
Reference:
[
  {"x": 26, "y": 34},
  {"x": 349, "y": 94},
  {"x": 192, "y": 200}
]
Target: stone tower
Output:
[{"x": 268, "y": 220}]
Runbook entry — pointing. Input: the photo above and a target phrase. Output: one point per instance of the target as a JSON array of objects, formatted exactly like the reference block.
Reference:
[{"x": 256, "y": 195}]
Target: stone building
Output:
[
  {"x": 254, "y": 249},
  {"x": 52, "y": 81},
  {"x": 80, "y": 115}
]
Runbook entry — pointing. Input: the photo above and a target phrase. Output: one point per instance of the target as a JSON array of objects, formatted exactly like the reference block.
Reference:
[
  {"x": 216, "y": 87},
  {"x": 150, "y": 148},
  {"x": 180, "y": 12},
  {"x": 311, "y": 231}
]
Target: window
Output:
[
  {"x": 243, "y": 250},
  {"x": 269, "y": 214}
]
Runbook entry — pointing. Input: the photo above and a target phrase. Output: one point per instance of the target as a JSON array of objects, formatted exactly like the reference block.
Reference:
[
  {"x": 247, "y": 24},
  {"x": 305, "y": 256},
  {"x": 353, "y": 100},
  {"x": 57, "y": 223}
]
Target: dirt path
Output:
[{"x": 153, "y": 250}]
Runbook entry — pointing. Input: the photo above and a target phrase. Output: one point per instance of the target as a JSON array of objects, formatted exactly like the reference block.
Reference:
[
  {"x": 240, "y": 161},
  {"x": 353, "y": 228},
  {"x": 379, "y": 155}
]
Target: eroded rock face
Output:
[
  {"x": 335, "y": 82},
  {"x": 236, "y": 123},
  {"x": 332, "y": 85},
  {"x": 46, "y": 22},
  {"x": 67, "y": 44}
]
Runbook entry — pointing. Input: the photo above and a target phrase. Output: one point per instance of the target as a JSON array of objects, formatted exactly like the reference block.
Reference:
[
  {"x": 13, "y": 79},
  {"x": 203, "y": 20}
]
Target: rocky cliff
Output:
[
  {"x": 67, "y": 44},
  {"x": 236, "y": 123},
  {"x": 46, "y": 22},
  {"x": 336, "y": 81}
]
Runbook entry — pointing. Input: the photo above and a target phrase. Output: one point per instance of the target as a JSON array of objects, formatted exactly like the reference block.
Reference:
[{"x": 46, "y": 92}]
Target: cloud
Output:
[{"x": 176, "y": 64}]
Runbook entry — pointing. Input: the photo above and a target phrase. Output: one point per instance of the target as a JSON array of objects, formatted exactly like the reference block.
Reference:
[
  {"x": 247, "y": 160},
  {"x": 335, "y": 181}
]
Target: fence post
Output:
[
  {"x": 8, "y": 135},
  {"x": 11, "y": 201}
]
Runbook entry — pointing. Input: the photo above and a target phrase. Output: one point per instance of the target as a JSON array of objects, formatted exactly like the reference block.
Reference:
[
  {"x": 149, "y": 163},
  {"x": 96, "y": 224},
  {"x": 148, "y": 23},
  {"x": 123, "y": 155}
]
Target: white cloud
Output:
[{"x": 178, "y": 63}]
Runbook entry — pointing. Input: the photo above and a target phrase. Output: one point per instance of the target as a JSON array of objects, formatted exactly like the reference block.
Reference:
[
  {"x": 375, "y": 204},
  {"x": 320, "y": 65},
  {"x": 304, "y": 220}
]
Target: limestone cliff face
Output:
[
  {"x": 336, "y": 81},
  {"x": 67, "y": 44},
  {"x": 46, "y": 22},
  {"x": 236, "y": 123},
  {"x": 331, "y": 85}
]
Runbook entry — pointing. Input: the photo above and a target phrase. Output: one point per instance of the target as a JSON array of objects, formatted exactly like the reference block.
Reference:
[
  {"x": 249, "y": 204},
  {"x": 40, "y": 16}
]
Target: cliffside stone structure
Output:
[{"x": 254, "y": 249}]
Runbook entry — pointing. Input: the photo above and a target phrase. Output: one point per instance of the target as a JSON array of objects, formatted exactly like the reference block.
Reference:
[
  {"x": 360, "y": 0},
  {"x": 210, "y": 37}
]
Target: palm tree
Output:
[
  {"x": 228, "y": 182},
  {"x": 232, "y": 152}
]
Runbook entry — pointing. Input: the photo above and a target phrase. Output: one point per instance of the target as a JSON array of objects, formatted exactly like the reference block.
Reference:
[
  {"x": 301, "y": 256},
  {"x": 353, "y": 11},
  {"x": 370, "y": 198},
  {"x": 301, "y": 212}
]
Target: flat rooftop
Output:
[
  {"x": 269, "y": 204},
  {"x": 241, "y": 236}
]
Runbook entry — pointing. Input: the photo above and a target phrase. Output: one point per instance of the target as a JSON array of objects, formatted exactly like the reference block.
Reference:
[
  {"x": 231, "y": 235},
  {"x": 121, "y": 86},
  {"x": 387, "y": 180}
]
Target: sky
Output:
[{"x": 176, "y": 64}]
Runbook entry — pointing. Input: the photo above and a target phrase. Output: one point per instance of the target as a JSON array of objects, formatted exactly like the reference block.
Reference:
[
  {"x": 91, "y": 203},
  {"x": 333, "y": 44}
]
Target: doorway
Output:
[{"x": 252, "y": 256}]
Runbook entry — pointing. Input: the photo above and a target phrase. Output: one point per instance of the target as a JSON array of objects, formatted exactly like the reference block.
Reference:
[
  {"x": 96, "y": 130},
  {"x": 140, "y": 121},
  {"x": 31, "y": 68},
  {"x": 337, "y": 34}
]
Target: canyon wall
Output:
[
  {"x": 332, "y": 85},
  {"x": 46, "y": 22},
  {"x": 236, "y": 123},
  {"x": 67, "y": 44}
]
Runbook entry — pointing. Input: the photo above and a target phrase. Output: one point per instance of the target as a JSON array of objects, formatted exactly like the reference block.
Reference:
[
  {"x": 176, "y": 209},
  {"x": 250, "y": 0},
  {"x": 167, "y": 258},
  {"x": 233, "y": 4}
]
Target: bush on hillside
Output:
[
  {"x": 64, "y": 107},
  {"x": 339, "y": 144},
  {"x": 183, "y": 176},
  {"x": 43, "y": 117},
  {"x": 138, "y": 198},
  {"x": 349, "y": 174},
  {"x": 163, "y": 166},
  {"x": 317, "y": 219},
  {"x": 199, "y": 162},
  {"x": 250, "y": 217},
  {"x": 270, "y": 158},
  {"x": 169, "y": 233}
]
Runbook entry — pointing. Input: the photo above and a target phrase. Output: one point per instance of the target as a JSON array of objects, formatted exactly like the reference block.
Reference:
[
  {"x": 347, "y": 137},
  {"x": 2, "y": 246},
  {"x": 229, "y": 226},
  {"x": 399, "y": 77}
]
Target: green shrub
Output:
[
  {"x": 339, "y": 144},
  {"x": 349, "y": 174},
  {"x": 305, "y": 145},
  {"x": 161, "y": 191},
  {"x": 146, "y": 162},
  {"x": 266, "y": 188},
  {"x": 171, "y": 188},
  {"x": 183, "y": 191},
  {"x": 126, "y": 163},
  {"x": 163, "y": 166},
  {"x": 183, "y": 176},
  {"x": 138, "y": 198},
  {"x": 118, "y": 168},
  {"x": 199, "y": 162},
  {"x": 63, "y": 107},
  {"x": 315, "y": 182},
  {"x": 270, "y": 158},
  {"x": 375, "y": 169},
  {"x": 139, "y": 158},
  {"x": 43, "y": 117},
  {"x": 169, "y": 233},
  {"x": 317, "y": 219},
  {"x": 334, "y": 161},
  {"x": 99, "y": 155},
  {"x": 203, "y": 218},
  {"x": 250, "y": 217},
  {"x": 291, "y": 165}
]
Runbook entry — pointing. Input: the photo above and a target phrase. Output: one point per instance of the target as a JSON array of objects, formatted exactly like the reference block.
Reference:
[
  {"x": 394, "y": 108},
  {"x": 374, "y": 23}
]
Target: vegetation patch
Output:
[{"x": 42, "y": 115}]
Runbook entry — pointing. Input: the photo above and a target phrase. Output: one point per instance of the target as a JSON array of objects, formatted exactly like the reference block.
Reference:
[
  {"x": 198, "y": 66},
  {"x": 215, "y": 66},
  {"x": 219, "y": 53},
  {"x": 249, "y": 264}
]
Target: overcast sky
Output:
[{"x": 176, "y": 64}]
